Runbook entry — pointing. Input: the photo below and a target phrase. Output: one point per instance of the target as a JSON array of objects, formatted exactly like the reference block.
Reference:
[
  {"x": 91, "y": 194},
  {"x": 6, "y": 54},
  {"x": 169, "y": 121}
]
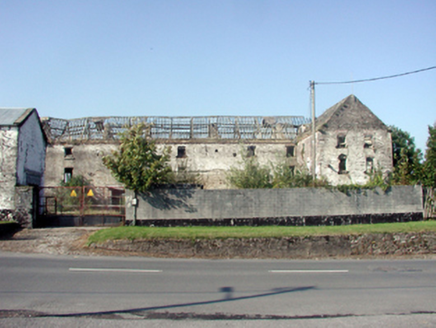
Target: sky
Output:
[{"x": 82, "y": 58}]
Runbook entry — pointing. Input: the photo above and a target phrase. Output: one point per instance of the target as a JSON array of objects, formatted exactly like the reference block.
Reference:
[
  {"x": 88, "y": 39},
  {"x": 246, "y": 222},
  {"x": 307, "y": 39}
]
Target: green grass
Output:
[{"x": 132, "y": 233}]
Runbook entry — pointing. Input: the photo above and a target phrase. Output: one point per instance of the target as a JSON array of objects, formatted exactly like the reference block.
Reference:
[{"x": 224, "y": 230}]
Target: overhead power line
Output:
[{"x": 379, "y": 78}]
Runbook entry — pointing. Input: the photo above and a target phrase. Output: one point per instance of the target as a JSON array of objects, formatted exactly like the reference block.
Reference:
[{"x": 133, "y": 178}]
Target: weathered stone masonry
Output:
[
  {"x": 350, "y": 142},
  {"x": 22, "y": 161}
]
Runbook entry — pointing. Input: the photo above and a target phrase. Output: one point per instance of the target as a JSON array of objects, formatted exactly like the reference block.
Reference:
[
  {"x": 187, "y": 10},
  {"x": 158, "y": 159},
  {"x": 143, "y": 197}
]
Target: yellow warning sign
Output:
[
  {"x": 90, "y": 193},
  {"x": 73, "y": 193}
]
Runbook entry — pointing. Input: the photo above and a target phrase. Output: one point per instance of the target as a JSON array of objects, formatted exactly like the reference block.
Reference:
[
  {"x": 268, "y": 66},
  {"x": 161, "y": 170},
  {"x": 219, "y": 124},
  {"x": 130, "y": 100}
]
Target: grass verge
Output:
[{"x": 132, "y": 233}]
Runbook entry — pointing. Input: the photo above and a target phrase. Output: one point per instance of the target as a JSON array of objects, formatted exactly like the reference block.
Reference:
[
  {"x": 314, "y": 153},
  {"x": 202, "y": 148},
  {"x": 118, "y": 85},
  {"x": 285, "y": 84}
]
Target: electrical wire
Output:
[{"x": 378, "y": 78}]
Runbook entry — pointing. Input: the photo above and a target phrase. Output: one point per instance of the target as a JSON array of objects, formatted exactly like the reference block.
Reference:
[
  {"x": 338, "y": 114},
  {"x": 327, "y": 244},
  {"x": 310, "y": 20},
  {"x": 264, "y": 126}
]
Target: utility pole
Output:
[{"x": 312, "y": 93}]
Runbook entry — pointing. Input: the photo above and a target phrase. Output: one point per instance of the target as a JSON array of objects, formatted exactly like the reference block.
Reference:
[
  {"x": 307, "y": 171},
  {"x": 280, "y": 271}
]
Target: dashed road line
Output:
[
  {"x": 113, "y": 270},
  {"x": 308, "y": 271}
]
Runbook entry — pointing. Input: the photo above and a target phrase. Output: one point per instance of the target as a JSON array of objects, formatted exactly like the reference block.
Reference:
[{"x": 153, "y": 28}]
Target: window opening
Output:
[
  {"x": 290, "y": 151},
  {"x": 368, "y": 143},
  {"x": 116, "y": 196},
  {"x": 181, "y": 152},
  {"x": 292, "y": 169},
  {"x": 68, "y": 174},
  {"x": 342, "y": 164},
  {"x": 251, "y": 151},
  {"x": 68, "y": 151},
  {"x": 341, "y": 141},
  {"x": 369, "y": 165}
]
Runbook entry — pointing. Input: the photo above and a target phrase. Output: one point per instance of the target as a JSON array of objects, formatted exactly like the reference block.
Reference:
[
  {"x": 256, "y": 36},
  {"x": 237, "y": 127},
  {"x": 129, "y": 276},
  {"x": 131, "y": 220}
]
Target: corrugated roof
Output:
[{"x": 13, "y": 116}]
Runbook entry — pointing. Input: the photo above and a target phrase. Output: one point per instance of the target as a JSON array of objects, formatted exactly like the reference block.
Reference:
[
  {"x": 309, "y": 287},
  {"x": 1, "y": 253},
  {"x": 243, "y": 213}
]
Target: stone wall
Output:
[
  {"x": 25, "y": 206},
  {"x": 208, "y": 160},
  {"x": 83, "y": 159},
  {"x": 283, "y": 204},
  {"x": 24, "y": 212},
  {"x": 356, "y": 151},
  {"x": 8, "y": 170}
]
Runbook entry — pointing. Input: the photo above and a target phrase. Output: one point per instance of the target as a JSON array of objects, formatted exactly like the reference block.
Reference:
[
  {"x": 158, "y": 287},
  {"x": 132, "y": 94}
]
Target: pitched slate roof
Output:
[
  {"x": 349, "y": 113},
  {"x": 14, "y": 116}
]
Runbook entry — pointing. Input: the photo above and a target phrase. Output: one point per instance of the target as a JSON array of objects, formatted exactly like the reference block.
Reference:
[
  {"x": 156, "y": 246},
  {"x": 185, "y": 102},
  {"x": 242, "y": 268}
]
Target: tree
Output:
[
  {"x": 406, "y": 157},
  {"x": 136, "y": 164},
  {"x": 429, "y": 167}
]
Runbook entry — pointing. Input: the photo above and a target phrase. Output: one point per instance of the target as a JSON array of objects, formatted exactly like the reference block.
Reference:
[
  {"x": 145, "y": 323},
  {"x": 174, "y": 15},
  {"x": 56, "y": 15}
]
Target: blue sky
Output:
[{"x": 83, "y": 58}]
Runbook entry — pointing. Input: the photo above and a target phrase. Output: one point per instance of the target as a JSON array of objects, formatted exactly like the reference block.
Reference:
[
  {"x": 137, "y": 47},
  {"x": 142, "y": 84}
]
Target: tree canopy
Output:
[
  {"x": 406, "y": 158},
  {"x": 429, "y": 167},
  {"x": 136, "y": 164}
]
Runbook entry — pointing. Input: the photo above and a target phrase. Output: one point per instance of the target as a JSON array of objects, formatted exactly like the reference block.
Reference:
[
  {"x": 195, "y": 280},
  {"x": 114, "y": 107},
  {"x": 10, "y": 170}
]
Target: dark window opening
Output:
[
  {"x": 341, "y": 141},
  {"x": 181, "y": 152},
  {"x": 342, "y": 164},
  {"x": 369, "y": 165},
  {"x": 292, "y": 169},
  {"x": 68, "y": 174},
  {"x": 251, "y": 151},
  {"x": 290, "y": 151},
  {"x": 68, "y": 151},
  {"x": 117, "y": 196},
  {"x": 368, "y": 143}
]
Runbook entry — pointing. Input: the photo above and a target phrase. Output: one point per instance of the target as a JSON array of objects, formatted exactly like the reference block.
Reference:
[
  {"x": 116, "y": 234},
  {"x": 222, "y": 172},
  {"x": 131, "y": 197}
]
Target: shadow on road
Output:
[{"x": 228, "y": 291}]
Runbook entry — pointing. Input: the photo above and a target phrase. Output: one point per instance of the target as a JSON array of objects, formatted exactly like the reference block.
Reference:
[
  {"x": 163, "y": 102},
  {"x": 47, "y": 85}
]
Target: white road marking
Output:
[
  {"x": 308, "y": 271},
  {"x": 113, "y": 270}
]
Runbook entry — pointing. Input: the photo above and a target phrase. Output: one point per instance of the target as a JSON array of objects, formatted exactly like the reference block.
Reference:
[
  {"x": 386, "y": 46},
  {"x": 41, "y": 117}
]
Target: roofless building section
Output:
[{"x": 176, "y": 128}]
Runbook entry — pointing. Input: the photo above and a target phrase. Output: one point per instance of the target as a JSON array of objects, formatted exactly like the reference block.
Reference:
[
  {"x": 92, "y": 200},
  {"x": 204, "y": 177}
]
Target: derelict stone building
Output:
[
  {"x": 22, "y": 158},
  {"x": 350, "y": 140}
]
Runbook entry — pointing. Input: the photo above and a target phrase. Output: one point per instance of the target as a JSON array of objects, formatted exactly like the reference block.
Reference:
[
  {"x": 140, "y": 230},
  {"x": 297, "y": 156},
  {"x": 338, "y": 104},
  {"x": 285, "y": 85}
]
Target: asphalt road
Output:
[{"x": 42, "y": 289}]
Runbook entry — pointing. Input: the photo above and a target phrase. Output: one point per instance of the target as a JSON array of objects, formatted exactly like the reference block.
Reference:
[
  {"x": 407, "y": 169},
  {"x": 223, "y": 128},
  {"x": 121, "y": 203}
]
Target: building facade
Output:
[
  {"x": 351, "y": 142},
  {"x": 22, "y": 153},
  {"x": 208, "y": 147}
]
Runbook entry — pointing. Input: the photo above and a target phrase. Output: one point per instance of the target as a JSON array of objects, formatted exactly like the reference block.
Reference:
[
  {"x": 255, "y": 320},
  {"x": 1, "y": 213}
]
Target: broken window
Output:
[
  {"x": 341, "y": 141},
  {"x": 369, "y": 165},
  {"x": 251, "y": 151},
  {"x": 342, "y": 164},
  {"x": 368, "y": 143},
  {"x": 68, "y": 174},
  {"x": 181, "y": 152},
  {"x": 68, "y": 151},
  {"x": 290, "y": 151}
]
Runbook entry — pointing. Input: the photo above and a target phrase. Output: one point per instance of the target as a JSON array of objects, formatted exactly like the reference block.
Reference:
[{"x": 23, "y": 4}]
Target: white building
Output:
[{"x": 22, "y": 153}]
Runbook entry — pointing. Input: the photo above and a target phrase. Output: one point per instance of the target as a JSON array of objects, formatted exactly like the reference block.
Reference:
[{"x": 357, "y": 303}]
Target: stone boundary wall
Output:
[
  {"x": 24, "y": 212},
  {"x": 300, "y": 206}
]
